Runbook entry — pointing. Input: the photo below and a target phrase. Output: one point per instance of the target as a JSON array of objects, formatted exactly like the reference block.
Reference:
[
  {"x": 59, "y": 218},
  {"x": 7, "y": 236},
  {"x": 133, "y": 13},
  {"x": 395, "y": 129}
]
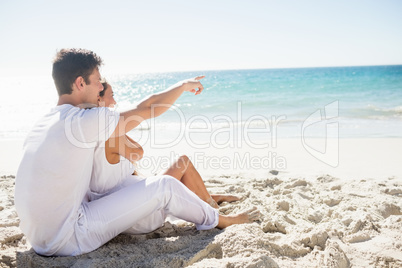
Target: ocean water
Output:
[{"x": 345, "y": 102}]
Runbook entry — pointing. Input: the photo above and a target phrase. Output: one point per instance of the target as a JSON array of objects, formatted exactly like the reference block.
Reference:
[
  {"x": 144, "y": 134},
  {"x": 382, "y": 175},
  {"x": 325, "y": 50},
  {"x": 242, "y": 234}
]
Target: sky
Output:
[{"x": 157, "y": 36}]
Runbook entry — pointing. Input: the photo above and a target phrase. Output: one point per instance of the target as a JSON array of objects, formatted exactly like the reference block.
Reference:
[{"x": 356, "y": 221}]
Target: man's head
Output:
[{"x": 72, "y": 66}]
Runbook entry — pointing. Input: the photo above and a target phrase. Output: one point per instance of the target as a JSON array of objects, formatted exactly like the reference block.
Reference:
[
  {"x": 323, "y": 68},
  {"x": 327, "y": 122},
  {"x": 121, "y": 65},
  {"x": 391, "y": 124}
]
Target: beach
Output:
[
  {"x": 316, "y": 150},
  {"x": 313, "y": 214},
  {"x": 296, "y": 109}
]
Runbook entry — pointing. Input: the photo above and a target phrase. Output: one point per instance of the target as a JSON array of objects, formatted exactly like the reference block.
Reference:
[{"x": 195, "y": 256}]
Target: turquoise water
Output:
[
  {"x": 369, "y": 99},
  {"x": 364, "y": 101}
]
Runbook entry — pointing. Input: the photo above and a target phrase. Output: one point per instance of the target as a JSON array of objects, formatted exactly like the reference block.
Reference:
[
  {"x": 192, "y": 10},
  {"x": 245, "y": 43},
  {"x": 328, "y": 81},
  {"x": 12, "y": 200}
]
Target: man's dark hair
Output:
[{"x": 71, "y": 63}]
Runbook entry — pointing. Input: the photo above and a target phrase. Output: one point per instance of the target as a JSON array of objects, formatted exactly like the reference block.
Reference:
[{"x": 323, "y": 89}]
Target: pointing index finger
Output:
[{"x": 199, "y": 77}]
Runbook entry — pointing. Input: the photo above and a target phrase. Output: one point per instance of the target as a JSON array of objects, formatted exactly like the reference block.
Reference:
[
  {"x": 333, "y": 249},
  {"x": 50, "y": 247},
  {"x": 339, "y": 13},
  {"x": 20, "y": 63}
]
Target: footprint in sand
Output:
[
  {"x": 332, "y": 201},
  {"x": 297, "y": 183},
  {"x": 334, "y": 256},
  {"x": 272, "y": 227},
  {"x": 388, "y": 209},
  {"x": 394, "y": 191},
  {"x": 315, "y": 238},
  {"x": 282, "y": 205}
]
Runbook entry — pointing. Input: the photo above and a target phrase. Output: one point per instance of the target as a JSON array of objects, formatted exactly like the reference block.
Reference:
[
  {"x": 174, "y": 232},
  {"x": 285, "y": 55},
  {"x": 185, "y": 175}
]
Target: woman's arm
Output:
[
  {"x": 132, "y": 150},
  {"x": 123, "y": 146}
]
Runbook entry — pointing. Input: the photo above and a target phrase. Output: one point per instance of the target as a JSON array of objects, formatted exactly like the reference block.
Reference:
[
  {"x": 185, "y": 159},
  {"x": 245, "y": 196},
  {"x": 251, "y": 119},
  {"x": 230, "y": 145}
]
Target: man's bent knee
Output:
[{"x": 167, "y": 179}]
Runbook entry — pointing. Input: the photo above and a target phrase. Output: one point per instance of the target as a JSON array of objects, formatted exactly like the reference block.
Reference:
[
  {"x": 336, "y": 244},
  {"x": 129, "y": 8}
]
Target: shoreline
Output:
[{"x": 349, "y": 158}]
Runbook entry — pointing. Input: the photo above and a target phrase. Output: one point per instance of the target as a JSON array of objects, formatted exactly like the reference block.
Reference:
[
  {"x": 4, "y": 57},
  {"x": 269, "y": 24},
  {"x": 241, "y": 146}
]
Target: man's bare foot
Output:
[
  {"x": 248, "y": 216},
  {"x": 220, "y": 198}
]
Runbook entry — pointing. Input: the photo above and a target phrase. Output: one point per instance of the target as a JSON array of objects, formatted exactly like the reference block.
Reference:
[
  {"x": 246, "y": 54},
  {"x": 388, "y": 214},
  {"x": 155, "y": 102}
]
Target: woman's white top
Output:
[{"x": 107, "y": 178}]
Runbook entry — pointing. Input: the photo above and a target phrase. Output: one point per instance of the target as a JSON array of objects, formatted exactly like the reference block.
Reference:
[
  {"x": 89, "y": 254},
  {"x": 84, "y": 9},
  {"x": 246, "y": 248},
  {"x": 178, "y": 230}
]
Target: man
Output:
[{"x": 55, "y": 171}]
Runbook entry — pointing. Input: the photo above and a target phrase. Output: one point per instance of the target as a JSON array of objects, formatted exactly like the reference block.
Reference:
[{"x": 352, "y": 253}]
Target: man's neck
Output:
[
  {"x": 68, "y": 99},
  {"x": 81, "y": 105}
]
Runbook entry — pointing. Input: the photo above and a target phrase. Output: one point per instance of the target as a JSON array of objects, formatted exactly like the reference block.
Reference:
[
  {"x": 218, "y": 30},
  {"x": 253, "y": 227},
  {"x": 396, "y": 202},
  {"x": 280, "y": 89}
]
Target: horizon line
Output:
[
  {"x": 262, "y": 68},
  {"x": 215, "y": 70}
]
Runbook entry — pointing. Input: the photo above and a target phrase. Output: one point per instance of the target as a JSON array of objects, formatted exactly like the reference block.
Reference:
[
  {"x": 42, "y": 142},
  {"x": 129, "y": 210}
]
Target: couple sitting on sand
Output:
[
  {"x": 115, "y": 162},
  {"x": 74, "y": 187}
]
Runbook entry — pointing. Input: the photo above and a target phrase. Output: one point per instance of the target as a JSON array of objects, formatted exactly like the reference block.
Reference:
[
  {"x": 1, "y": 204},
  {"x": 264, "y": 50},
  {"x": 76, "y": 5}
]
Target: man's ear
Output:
[{"x": 79, "y": 83}]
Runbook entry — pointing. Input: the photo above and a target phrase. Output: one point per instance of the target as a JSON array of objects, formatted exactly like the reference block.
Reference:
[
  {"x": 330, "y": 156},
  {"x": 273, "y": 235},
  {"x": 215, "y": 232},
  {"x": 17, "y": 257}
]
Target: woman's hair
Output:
[
  {"x": 105, "y": 84},
  {"x": 70, "y": 64}
]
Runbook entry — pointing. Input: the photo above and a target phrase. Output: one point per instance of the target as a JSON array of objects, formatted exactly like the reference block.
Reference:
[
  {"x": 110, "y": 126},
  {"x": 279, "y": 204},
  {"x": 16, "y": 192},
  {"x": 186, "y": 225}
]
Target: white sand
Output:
[
  {"x": 357, "y": 158},
  {"x": 351, "y": 218}
]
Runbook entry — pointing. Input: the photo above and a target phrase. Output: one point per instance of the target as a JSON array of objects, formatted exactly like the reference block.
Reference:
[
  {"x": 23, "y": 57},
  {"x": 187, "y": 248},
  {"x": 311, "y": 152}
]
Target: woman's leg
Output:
[{"x": 184, "y": 170}]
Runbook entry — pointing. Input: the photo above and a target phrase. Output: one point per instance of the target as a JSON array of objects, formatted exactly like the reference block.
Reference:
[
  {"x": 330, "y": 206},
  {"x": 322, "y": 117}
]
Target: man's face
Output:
[{"x": 92, "y": 89}]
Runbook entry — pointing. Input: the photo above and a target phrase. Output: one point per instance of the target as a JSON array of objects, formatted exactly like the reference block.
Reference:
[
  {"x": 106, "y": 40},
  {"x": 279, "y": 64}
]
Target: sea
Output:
[{"x": 339, "y": 102}]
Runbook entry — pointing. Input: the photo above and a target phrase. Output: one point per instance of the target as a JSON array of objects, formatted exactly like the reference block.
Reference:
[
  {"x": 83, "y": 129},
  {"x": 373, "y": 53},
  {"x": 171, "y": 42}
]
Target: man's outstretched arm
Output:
[{"x": 155, "y": 105}]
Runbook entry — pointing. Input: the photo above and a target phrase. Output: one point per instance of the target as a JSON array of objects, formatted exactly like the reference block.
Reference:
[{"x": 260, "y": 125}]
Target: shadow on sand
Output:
[{"x": 169, "y": 246}]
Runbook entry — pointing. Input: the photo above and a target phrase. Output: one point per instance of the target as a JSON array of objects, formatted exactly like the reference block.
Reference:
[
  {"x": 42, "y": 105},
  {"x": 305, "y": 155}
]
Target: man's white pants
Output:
[{"x": 141, "y": 207}]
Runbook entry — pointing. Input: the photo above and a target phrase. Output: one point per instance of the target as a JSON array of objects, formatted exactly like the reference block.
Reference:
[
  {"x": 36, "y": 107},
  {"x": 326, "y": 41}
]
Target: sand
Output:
[
  {"x": 350, "y": 218},
  {"x": 307, "y": 222}
]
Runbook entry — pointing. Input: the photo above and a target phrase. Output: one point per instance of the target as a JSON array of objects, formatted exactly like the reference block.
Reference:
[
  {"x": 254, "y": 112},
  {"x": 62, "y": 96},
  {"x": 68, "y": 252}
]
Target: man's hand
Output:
[{"x": 193, "y": 85}]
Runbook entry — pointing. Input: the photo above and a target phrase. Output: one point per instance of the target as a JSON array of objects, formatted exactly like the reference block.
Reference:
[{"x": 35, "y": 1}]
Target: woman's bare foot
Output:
[
  {"x": 220, "y": 198},
  {"x": 212, "y": 202},
  {"x": 244, "y": 217}
]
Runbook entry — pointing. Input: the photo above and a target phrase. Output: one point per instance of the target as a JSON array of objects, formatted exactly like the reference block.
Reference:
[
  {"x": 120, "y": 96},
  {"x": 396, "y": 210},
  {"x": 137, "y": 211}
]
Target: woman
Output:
[{"x": 115, "y": 162}]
